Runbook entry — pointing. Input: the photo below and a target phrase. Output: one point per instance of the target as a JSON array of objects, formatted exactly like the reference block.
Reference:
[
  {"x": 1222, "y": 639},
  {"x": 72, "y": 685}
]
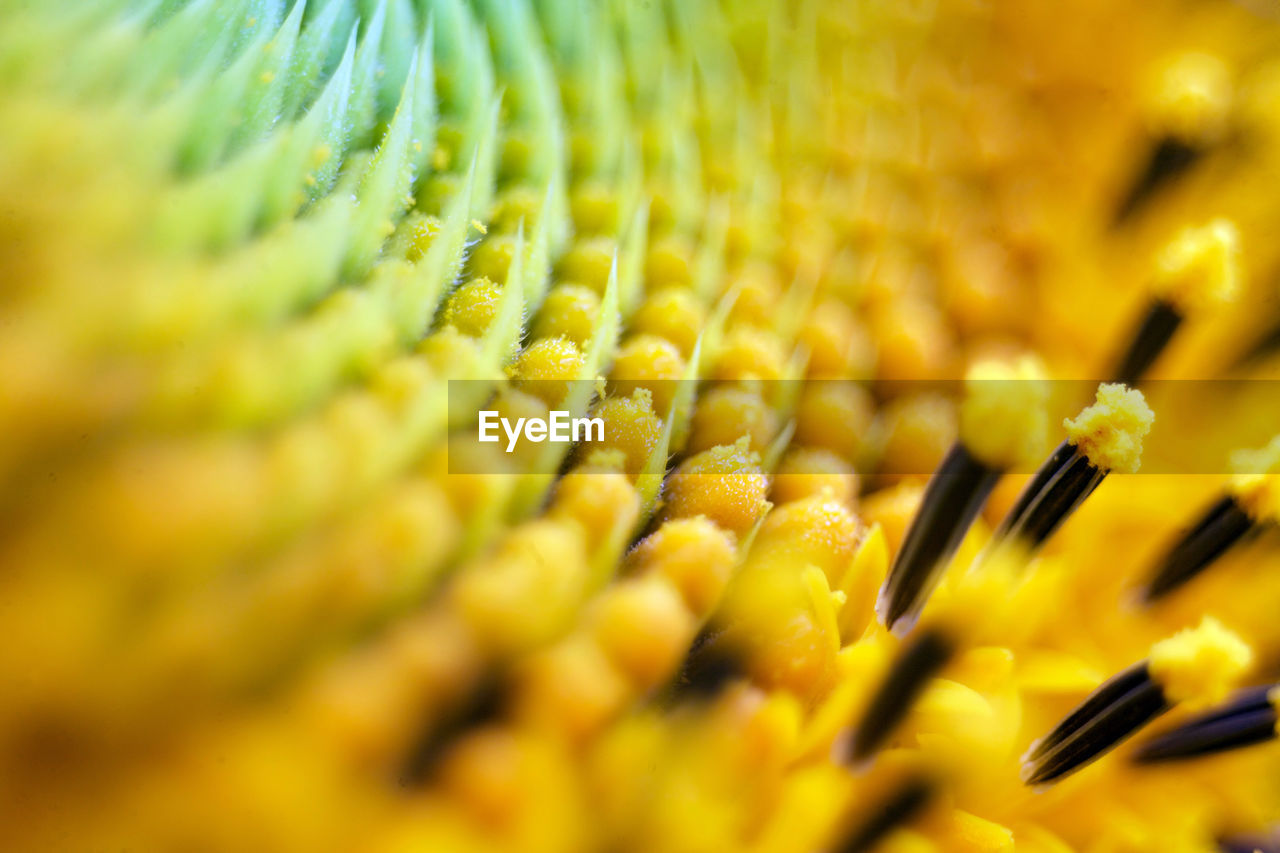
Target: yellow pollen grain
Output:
[
  {"x": 1256, "y": 484},
  {"x": 631, "y": 427},
  {"x": 1200, "y": 267},
  {"x": 1189, "y": 97},
  {"x": 724, "y": 483},
  {"x": 546, "y": 367},
  {"x": 471, "y": 308},
  {"x": 1199, "y": 665},
  {"x": 694, "y": 554},
  {"x": 1110, "y": 432},
  {"x": 570, "y": 310},
  {"x": 1003, "y": 419}
]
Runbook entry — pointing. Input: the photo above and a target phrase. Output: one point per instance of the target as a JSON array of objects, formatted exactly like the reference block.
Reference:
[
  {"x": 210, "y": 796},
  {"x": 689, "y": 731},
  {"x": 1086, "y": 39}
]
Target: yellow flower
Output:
[{"x": 827, "y": 274}]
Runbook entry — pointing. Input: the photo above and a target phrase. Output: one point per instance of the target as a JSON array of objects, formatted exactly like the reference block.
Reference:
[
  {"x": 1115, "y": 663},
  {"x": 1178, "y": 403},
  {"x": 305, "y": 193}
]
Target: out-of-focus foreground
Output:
[{"x": 245, "y": 246}]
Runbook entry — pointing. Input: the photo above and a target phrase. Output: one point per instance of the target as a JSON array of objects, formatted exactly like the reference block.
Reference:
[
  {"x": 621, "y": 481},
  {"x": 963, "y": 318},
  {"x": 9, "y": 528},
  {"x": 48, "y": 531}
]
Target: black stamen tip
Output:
[
  {"x": 1223, "y": 525},
  {"x": 1148, "y": 342},
  {"x": 1039, "y": 482},
  {"x": 903, "y": 804},
  {"x": 919, "y": 660},
  {"x": 1169, "y": 159},
  {"x": 1093, "y": 706},
  {"x": 1248, "y": 719},
  {"x": 1061, "y": 485},
  {"x": 1241, "y": 844},
  {"x": 708, "y": 667},
  {"x": 482, "y": 706},
  {"x": 952, "y": 500},
  {"x": 1111, "y": 713},
  {"x": 1265, "y": 346}
]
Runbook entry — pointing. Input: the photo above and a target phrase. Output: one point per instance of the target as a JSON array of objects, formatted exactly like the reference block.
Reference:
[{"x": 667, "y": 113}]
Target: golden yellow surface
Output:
[{"x": 260, "y": 261}]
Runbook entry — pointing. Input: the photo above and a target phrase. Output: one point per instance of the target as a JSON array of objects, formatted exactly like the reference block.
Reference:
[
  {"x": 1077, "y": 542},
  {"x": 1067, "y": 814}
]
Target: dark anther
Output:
[
  {"x": 710, "y": 664},
  {"x": 1265, "y": 346},
  {"x": 903, "y": 804},
  {"x": 919, "y": 660},
  {"x": 1223, "y": 525},
  {"x": 1112, "y": 713},
  {"x": 1169, "y": 159},
  {"x": 1061, "y": 485},
  {"x": 954, "y": 497},
  {"x": 1148, "y": 341},
  {"x": 1242, "y": 844},
  {"x": 1248, "y": 719},
  {"x": 482, "y": 706}
]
